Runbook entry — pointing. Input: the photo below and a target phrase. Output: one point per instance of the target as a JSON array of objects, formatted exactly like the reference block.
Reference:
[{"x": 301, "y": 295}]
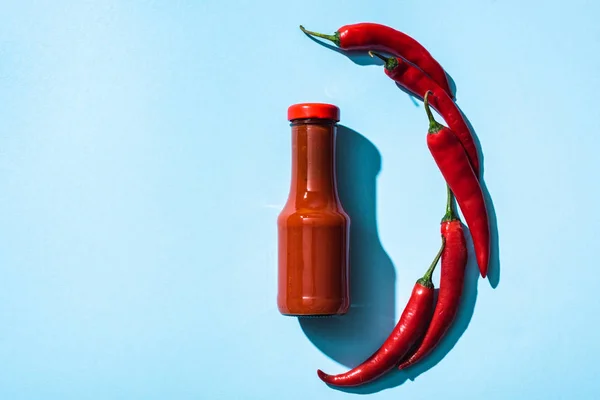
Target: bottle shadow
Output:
[
  {"x": 459, "y": 326},
  {"x": 351, "y": 338}
]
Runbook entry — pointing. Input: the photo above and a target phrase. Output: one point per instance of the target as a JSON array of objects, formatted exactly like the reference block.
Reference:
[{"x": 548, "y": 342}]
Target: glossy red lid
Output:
[{"x": 313, "y": 110}]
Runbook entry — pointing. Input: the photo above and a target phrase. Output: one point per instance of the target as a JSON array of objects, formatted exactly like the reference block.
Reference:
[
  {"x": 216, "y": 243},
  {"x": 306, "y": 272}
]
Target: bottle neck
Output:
[{"x": 313, "y": 164}]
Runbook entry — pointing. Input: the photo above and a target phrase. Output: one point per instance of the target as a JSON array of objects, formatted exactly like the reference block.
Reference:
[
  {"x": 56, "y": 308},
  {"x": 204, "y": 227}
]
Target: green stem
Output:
[
  {"x": 427, "y": 108},
  {"x": 450, "y": 214},
  {"x": 335, "y": 38},
  {"x": 390, "y": 62},
  {"x": 380, "y": 56},
  {"x": 426, "y": 279},
  {"x": 448, "y": 200},
  {"x": 434, "y": 126}
]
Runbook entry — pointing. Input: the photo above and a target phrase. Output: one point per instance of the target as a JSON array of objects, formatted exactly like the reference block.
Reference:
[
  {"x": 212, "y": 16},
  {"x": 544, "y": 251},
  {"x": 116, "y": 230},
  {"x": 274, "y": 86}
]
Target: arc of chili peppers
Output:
[
  {"x": 407, "y": 332},
  {"x": 454, "y": 261},
  {"x": 378, "y": 37},
  {"x": 453, "y": 163},
  {"x": 416, "y": 82}
]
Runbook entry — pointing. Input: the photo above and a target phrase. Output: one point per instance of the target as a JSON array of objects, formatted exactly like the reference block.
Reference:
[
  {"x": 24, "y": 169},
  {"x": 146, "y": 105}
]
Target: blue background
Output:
[{"x": 145, "y": 154}]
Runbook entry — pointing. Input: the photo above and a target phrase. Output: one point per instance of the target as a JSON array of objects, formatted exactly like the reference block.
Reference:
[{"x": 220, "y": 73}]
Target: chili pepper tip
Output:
[{"x": 324, "y": 377}]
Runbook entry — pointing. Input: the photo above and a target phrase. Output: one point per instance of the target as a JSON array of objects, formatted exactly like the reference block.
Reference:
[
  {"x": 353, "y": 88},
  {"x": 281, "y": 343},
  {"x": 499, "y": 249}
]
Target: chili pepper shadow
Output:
[
  {"x": 411, "y": 96},
  {"x": 360, "y": 58},
  {"x": 357, "y": 57},
  {"x": 459, "y": 326},
  {"x": 452, "y": 85},
  {"x": 494, "y": 266},
  {"x": 494, "y": 263},
  {"x": 461, "y": 321},
  {"x": 351, "y": 338}
]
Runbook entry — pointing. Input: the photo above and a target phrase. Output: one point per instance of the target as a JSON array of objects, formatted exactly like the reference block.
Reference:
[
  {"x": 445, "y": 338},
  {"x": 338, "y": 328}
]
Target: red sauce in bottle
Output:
[{"x": 313, "y": 229}]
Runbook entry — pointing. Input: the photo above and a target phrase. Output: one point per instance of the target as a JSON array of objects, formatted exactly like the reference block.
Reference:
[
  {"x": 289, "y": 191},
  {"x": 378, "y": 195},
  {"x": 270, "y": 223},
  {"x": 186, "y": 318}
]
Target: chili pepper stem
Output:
[
  {"x": 380, "y": 56},
  {"x": 426, "y": 279},
  {"x": 390, "y": 62},
  {"x": 335, "y": 38},
  {"x": 450, "y": 214},
  {"x": 434, "y": 126}
]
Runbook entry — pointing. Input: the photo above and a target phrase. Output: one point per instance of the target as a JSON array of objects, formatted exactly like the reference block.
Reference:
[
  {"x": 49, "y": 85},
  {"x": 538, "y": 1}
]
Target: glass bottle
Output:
[{"x": 313, "y": 229}]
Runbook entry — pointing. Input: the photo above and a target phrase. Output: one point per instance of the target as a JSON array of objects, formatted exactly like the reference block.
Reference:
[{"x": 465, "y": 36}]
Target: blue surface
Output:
[{"x": 144, "y": 157}]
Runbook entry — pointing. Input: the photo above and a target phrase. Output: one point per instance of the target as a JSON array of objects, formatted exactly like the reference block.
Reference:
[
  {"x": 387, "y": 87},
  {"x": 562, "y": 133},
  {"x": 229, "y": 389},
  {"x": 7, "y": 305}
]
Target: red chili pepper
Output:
[
  {"x": 408, "y": 331},
  {"x": 453, "y": 162},
  {"x": 371, "y": 36},
  {"x": 454, "y": 260},
  {"x": 416, "y": 82}
]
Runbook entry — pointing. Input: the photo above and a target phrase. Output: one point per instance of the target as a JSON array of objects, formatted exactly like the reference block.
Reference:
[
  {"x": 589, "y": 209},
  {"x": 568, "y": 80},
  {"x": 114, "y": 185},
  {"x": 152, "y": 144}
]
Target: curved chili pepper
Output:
[
  {"x": 416, "y": 82},
  {"x": 408, "y": 331},
  {"x": 454, "y": 261},
  {"x": 371, "y": 36},
  {"x": 453, "y": 162}
]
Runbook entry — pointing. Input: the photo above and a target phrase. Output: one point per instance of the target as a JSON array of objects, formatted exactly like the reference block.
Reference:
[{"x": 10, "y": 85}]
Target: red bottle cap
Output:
[{"x": 313, "y": 110}]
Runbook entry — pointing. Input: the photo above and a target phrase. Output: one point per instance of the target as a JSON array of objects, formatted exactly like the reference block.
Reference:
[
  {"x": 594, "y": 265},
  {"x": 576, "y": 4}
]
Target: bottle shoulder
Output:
[{"x": 306, "y": 216}]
